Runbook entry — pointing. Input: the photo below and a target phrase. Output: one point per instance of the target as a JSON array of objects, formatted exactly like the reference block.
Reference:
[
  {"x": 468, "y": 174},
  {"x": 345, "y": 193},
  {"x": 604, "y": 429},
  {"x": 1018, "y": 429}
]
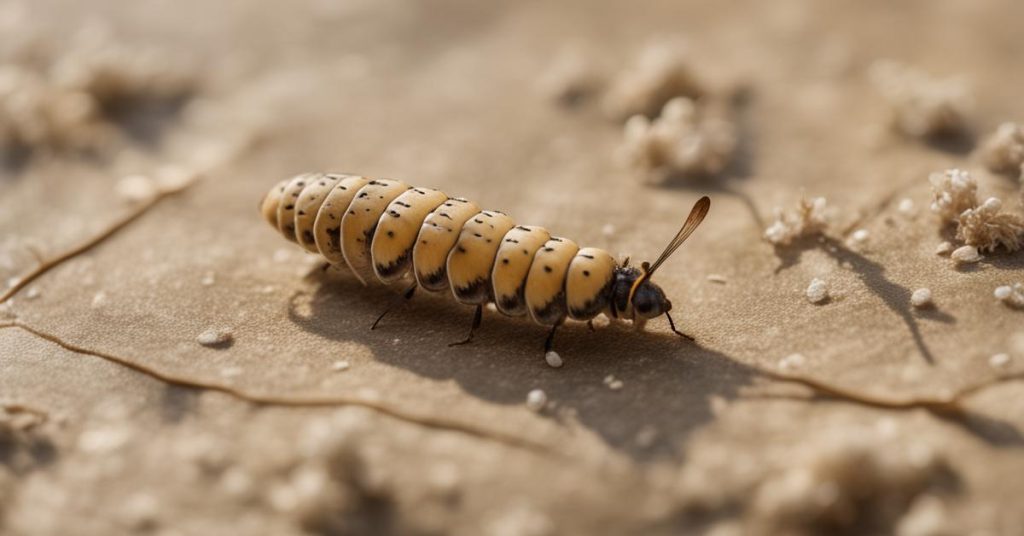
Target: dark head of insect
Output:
[{"x": 633, "y": 292}]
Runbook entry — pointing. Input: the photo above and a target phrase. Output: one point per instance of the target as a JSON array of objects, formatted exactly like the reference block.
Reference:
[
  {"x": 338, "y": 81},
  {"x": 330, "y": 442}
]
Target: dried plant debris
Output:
[
  {"x": 685, "y": 140},
  {"x": 74, "y": 100},
  {"x": 920, "y": 105},
  {"x": 984, "y": 226},
  {"x": 661, "y": 73},
  {"x": 852, "y": 481},
  {"x": 571, "y": 79},
  {"x": 1003, "y": 151},
  {"x": 809, "y": 218}
]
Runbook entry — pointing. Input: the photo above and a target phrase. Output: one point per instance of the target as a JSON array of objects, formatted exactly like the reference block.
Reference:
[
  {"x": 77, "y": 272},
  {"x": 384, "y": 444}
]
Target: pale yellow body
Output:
[
  {"x": 511, "y": 266},
  {"x": 360, "y": 222},
  {"x": 286, "y": 205},
  {"x": 471, "y": 261},
  {"x": 327, "y": 226},
  {"x": 268, "y": 207},
  {"x": 307, "y": 206},
  {"x": 545, "y": 284},
  {"x": 587, "y": 283},
  {"x": 398, "y": 229},
  {"x": 438, "y": 235}
]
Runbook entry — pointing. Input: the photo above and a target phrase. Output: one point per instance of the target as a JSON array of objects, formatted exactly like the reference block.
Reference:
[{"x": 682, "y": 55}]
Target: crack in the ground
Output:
[{"x": 286, "y": 401}]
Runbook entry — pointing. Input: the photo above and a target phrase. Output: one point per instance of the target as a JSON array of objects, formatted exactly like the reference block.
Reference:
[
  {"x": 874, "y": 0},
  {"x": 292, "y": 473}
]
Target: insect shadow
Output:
[
  {"x": 667, "y": 381},
  {"x": 895, "y": 296}
]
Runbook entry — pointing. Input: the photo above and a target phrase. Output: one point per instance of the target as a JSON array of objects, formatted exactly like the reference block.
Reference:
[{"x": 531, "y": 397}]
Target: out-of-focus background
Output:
[{"x": 127, "y": 371}]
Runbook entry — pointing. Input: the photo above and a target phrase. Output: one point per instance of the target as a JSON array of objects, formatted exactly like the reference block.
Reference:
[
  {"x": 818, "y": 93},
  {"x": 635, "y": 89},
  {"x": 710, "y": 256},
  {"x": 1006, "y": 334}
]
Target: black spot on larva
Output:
[
  {"x": 478, "y": 235},
  {"x": 340, "y": 187},
  {"x": 367, "y": 209},
  {"x": 312, "y": 197},
  {"x": 461, "y": 249},
  {"x": 331, "y": 216},
  {"x": 302, "y": 213},
  {"x": 433, "y": 224},
  {"x": 526, "y": 252},
  {"x": 391, "y": 234},
  {"x": 300, "y": 184},
  {"x": 449, "y": 205},
  {"x": 289, "y": 207},
  {"x": 504, "y": 261},
  {"x": 307, "y": 237},
  {"x": 394, "y": 214},
  {"x": 401, "y": 204},
  {"x": 512, "y": 240},
  {"x": 489, "y": 240},
  {"x": 363, "y": 194},
  {"x": 323, "y": 183},
  {"x": 553, "y": 239},
  {"x": 521, "y": 228},
  {"x": 478, "y": 221},
  {"x": 449, "y": 230},
  {"x": 586, "y": 273},
  {"x": 585, "y": 256},
  {"x": 295, "y": 194},
  {"x": 547, "y": 269},
  {"x": 381, "y": 196},
  {"x": 444, "y": 215},
  {"x": 424, "y": 242},
  {"x": 549, "y": 249},
  {"x": 376, "y": 183},
  {"x": 352, "y": 212}
]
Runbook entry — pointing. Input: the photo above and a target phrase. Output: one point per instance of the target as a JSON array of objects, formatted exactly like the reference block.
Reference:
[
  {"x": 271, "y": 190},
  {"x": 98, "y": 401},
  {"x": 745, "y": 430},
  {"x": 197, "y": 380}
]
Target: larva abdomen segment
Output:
[{"x": 385, "y": 229}]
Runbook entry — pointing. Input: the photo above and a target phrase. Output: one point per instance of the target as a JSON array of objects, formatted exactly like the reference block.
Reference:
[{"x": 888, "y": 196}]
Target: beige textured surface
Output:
[{"x": 444, "y": 95}]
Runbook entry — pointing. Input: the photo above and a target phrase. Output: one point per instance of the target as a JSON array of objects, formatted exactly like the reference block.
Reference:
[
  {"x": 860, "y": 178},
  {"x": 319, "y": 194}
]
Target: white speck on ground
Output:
[
  {"x": 612, "y": 382},
  {"x": 215, "y": 336},
  {"x": 817, "y": 291},
  {"x": 716, "y": 278},
  {"x": 554, "y": 360},
  {"x": 965, "y": 255},
  {"x": 99, "y": 299},
  {"x": 1012, "y": 296},
  {"x": 999, "y": 361},
  {"x": 860, "y": 235},
  {"x": 282, "y": 255},
  {"x": 792, "y": 361},
  {"x": 906, "y": 206},
  {"x": 921, "y": 297},
  {"x": 32, "y": 293},
  {"x": 339, "y": 366},
  {"x": 536, "y": 400},
  {"x": 944, "y": 248},
  {"x": 135, "y": 188},
  {"x": 209, "y": 278},
  {"x": 608, "y": 229}
]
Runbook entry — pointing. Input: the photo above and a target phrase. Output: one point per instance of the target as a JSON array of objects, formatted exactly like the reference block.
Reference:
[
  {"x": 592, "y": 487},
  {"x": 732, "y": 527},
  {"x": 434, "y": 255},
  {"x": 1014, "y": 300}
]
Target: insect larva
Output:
[{"x": 386, "y": 229}]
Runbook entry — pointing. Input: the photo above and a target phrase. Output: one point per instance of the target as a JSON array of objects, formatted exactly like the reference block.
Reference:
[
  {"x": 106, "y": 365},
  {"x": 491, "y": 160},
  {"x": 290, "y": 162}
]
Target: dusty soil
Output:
[{"x": 117, "y": 421}]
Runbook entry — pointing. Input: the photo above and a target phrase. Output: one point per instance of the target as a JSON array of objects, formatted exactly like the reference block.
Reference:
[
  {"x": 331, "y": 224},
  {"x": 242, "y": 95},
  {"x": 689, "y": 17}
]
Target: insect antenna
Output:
[{"x": 697, "y": 214}]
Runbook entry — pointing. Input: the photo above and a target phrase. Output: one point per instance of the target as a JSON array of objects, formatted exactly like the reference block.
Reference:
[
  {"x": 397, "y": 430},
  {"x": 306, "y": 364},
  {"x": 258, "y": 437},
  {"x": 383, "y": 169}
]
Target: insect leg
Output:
[
  {"x": 674, "y": 330},
  {"x": 550, "y": 341},
  {"x": 406, "y": 296},
  {"x": 477, "y": 317},
  {"x": 590, "y": 324}
]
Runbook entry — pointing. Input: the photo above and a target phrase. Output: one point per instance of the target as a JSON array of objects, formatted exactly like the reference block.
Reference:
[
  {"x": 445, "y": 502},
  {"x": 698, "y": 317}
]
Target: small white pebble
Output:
[
  {"x": 965, "y": 254},
  {"x": 601, "y": 322},
  {"x": 860, "y": 235},
  {"x": 608, "y": 229},
  {"x": 943, "y": 249},
  {"x": 492, "y": 307},
  {"x": 792, "y": 361},
  {"x": 32, "y": 293},
  {"x": 208, "y": 279},
  {"x": 99, "y": 299},
  {"x": 1003, "y": 293},
  {"x": 716, "y": 278},
  {"x": 214, "y": 337},
  {"x": 817, "y": 291},
  {"x": 921, "y": 297},
  {"x": 136, "y": 188},
  {"x": 554, "y": 360},
  {"x": 999, "y": 361},
  {"x": 12, "y": 282},
  {"x": 536, "y": 400},
  {"x": 339, "y": 366},
  {"x": 906, "y": 206},
  {"x": 615, "y": 385}
]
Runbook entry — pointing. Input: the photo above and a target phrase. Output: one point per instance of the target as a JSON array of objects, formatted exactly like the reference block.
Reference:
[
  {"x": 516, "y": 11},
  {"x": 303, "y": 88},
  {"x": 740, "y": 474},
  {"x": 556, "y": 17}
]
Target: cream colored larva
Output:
[{"x": 388, "y": 230}]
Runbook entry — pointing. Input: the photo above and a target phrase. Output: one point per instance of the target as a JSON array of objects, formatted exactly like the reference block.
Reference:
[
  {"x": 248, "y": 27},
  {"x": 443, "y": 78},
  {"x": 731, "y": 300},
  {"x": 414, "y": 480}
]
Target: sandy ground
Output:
[{"x": 103, "y": 434}]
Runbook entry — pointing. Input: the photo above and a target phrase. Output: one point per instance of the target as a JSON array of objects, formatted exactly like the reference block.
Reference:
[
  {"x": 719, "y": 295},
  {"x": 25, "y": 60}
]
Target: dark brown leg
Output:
[
  {"x": 550, "y": 341},
  {"x": 406, "y": 296},
  {"x": 674, "y": 330},
  {"x": 477, "y": 317}
]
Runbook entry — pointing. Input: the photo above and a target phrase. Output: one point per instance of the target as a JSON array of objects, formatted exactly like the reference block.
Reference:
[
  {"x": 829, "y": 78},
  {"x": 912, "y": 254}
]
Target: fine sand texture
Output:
[{"x": 170, "y": 365}]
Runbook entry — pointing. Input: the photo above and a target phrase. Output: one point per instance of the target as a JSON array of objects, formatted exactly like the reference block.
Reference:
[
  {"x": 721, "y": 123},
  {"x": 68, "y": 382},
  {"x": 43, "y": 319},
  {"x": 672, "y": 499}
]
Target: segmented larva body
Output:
[{"x": 386, "y": 228}]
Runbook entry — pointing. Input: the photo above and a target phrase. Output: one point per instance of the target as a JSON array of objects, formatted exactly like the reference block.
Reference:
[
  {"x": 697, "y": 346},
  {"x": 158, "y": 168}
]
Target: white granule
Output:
[
  {"x": 215, "y": 336},
  {"x": 209, "y": 278},
  {"x": 339, "y": 366},
  {"x": 716, "y": 278},
  {"x": 536, "y": 400},
  {"x": 608, "y": 229},
  {"x": 32, "y": 293},
  {"x": 554, "y": 360},
  {"x": 999, "y": 361},
  {"x": 136, "y": 188},
  {"x": 906, "y": 206},
  {"x": 944, "y": 248},
  {"x": 792, "y": 361},
  {"x": 817, "y": 291},
  {"x": 1010, "y": 295},
  {"x": 612, "y": 382},
  {"x": 965, "y": 255},
  {"x": 99, "y": 299},
  {"x": 921, "y": 297},
  {"x": 860, "y": 235}
]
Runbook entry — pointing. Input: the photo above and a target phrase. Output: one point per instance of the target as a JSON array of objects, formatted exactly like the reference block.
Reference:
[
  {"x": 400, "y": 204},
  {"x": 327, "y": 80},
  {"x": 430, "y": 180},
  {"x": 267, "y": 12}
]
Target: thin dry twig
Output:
[{"x": 261, "y": 399}]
